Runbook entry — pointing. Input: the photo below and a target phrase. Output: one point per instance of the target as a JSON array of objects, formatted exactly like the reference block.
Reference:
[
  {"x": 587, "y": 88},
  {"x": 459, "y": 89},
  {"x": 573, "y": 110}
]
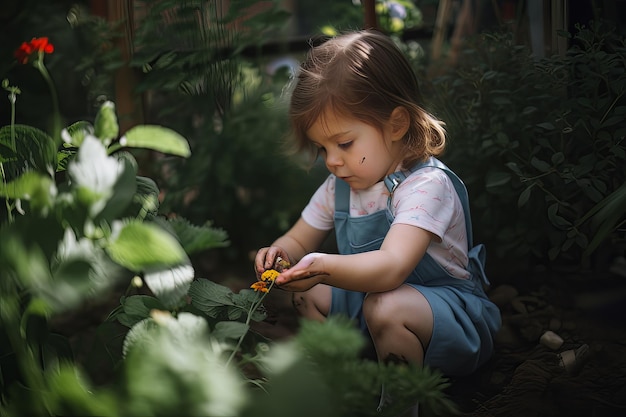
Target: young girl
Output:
[{"x": 407, "y": 271}]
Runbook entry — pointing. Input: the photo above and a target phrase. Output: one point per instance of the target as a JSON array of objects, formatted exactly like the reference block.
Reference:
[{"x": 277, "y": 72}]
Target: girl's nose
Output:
[{"x": 333, "y": 159}]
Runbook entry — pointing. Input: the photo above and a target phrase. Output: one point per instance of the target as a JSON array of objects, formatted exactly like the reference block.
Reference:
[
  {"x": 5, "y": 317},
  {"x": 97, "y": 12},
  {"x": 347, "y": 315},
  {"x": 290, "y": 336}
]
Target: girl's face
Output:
[{"x": 355, "y": 151}]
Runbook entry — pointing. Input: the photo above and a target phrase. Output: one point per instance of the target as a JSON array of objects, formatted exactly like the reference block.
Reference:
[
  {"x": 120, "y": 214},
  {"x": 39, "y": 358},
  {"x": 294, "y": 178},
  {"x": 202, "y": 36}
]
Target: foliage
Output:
[
  {"x": 540, "y": 143},
  {"x": 331, "y": 17},
  {"x": 72, "y": 231},
  {"x": 78, "y": 221},
  {"x": 204, "y": 80}
]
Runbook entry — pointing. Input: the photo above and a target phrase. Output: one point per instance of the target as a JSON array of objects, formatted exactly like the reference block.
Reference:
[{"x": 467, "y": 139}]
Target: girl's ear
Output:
[{"x": 399, "y": 123}]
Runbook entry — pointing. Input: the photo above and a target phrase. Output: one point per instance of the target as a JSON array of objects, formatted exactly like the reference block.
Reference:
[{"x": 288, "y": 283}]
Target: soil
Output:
[{"x": 584, "y": 376}]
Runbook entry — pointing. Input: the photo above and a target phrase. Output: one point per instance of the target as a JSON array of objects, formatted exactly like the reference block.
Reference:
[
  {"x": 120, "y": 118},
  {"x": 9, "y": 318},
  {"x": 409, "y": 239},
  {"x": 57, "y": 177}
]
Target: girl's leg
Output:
[
  {"x": 400, "y": 323},
  {"x": 313, "y": 304}
]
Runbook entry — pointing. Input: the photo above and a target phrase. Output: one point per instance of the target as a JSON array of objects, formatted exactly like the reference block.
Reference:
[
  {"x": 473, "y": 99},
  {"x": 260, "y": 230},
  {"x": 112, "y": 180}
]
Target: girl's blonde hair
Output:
[{"x": 363, "y": 75}]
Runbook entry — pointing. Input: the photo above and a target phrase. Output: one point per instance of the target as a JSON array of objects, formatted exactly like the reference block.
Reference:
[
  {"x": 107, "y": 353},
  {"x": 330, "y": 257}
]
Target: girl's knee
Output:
[
  {"x": 378, "y": 309},
  {"x": 313, "y": 304}
]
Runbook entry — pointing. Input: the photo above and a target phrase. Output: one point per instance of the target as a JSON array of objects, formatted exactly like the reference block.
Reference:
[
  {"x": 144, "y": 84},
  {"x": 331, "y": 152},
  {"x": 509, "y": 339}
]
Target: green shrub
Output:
[{"x": 540, "y": 144}]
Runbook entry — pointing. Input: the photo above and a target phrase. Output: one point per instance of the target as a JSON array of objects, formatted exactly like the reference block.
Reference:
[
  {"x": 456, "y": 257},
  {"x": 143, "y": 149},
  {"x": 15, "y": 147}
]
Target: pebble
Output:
[
  {"x": 503, "y": 294},
  {"x": 551, "y": 340}
]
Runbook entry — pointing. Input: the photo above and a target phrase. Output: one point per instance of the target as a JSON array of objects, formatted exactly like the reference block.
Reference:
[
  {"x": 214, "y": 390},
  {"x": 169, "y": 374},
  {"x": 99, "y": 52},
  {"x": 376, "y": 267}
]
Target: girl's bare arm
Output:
[{"x": 376, "y": 271}]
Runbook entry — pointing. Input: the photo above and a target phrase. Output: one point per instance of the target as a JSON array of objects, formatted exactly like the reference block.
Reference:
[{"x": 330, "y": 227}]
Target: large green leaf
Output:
[
  {"x": 25, "y": 186},
  {"x": 122, "y": 194},
  {"x": 197, "y": 238},
  {"x": 229, "y": 330},
  {"x": 209, "y": 297},
  {"x": 142, "y": 246},
  {"x": 157, "y": 138},
  {"x": 34, "y": 149},
  {"x": 135, "y": 308},
  {"x": 170, "y": 285},
  {"x": 607, "y": 216}
]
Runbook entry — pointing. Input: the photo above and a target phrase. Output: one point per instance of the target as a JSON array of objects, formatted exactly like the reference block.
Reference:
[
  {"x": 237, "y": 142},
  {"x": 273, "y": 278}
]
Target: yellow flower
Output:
[
  {"x": 260, "y": 286},
  {"x": 269, "y": 275}
]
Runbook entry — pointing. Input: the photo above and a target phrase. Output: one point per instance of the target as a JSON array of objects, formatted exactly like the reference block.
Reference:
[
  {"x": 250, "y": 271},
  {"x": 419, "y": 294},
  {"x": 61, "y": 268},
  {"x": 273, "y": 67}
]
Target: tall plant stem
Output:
[
  {"x": 253, "y": 308},
  {"x": 56, "y": 114}
]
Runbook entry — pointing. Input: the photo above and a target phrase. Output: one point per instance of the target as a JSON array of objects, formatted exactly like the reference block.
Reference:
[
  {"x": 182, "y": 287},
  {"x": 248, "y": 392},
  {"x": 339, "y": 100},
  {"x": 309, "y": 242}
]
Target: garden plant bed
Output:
[{"x": 525, "y": 378}]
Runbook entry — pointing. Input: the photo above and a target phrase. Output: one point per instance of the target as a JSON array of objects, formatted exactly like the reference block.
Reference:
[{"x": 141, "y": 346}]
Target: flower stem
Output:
[
  {"x": 253, "y": 308},
  {"x": 56, "y": 114}
]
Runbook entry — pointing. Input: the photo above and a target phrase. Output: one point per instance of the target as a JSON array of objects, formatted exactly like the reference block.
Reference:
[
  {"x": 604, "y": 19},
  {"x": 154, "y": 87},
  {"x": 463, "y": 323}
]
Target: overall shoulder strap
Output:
[
  {"x": 393, "y": 180},
  {"x": 342, "y": 196}
]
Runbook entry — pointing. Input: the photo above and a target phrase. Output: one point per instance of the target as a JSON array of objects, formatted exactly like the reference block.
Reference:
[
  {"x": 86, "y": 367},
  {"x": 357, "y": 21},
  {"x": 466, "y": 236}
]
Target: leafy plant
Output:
[
  {"x": 206, "y": 79},
  {"x": 78, "y": 221},
  {"x": 540, "y": 144}
]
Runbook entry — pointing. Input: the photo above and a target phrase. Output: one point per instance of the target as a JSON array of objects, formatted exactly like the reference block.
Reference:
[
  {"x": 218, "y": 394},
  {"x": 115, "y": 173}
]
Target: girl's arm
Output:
[
  {"x": 376, "y": 271},
  {"x": 301, "y": 239}
]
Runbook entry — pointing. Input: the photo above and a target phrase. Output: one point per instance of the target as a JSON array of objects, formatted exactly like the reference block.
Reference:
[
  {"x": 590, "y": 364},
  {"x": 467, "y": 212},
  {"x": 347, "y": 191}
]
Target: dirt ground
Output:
[
  {"x": 581, "y": 373},
  {"x": 582, "y": 376}
]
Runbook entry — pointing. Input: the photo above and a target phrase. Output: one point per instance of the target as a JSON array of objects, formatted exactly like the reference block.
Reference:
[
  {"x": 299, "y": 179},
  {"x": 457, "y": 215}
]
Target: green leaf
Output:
[
  {"x": 198, "y": 238},
  {"x": 106, "y": 127},
  {"x": 170, "y": 285},
  {"x": 25, "y": 186},
  {"x": 524, "y": 196},
  {"x": 496, "y": 179},
  {"x": 143, "y": 246},
  {"x": 122, "y": 194},
  {"x": 75, "y": 134},
  {"x": 540, "y": 165},
  {"x": 157, "y": 138},
  {"x": 229, "y": 330},
  {"x": 34, "y": 149},
  {"x": 554, "y": 218},
  {"x": 558, "y": 158},
  {"x": 606, "y": 217},
  {"x": 136, "y": 308},
  {"x": 515, "y": 168},
  {"x": 210, "y": 297},
  {"x": 546, "y": 126},
  {"x": 140, "y": 332}
]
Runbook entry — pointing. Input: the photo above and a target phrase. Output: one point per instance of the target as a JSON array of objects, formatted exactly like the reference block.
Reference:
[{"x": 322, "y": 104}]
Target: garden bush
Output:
[
  {"x": 77, "y": 222},
  {"x": 540, "y": 145}
]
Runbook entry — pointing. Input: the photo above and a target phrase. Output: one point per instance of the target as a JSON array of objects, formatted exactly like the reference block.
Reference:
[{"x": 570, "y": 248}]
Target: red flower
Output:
[{"x": 26, "y": 49}]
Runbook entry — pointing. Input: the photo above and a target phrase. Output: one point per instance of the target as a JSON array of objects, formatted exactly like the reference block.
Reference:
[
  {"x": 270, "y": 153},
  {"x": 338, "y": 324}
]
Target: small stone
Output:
[
  {"x": 551, "y": 340},
  {"x": 573, "y": 359},
  {"x": 503, "y": 294}
]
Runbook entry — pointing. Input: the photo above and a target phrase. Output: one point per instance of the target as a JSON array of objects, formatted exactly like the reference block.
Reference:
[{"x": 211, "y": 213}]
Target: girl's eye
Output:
[{"x": 345, "y": 145}]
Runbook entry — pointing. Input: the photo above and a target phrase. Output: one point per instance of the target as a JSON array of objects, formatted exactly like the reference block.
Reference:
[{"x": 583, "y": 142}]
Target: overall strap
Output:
[
  {"x": 342, "y": 196},
  {"x": 393, "y": 180}
]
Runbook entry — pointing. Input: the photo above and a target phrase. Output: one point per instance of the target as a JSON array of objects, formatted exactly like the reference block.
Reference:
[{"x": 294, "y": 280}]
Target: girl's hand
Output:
[
  {"x": 266, "y": 258},
  {"x": 303, "y": 275}
]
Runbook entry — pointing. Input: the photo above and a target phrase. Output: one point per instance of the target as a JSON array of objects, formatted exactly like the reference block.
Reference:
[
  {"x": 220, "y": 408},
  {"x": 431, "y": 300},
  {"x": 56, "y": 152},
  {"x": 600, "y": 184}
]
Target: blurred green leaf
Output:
[
  {"x": 143, "y": 246},
  {"x": 157, "y": 138}
]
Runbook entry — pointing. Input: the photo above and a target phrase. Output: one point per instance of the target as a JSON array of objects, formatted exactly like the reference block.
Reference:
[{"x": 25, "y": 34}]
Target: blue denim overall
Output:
[{"x": 465, "y": 320}]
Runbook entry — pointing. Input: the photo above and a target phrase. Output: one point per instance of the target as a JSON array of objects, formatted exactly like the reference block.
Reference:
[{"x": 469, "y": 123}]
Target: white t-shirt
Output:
[{"x": 425, "y": 199}]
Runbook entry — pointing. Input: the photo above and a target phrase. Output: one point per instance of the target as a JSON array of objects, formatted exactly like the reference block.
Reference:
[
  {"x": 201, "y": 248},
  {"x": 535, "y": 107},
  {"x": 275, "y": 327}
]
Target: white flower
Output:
[{"x": 94, "y": 173}]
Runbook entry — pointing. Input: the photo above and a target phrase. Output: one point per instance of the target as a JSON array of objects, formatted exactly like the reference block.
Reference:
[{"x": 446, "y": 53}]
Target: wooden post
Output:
[
  {"x": 441, "y": 21},
  {"x": 128, "y": 103},
  {"x": 560, "y": 21},
  {"x": 369, "y": 9}
]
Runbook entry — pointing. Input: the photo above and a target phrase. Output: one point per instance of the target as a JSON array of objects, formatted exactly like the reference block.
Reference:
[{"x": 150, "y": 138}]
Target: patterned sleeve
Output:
[
  {"x": 320, "y": 211},
  {"x": 427, "y": 199}
]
